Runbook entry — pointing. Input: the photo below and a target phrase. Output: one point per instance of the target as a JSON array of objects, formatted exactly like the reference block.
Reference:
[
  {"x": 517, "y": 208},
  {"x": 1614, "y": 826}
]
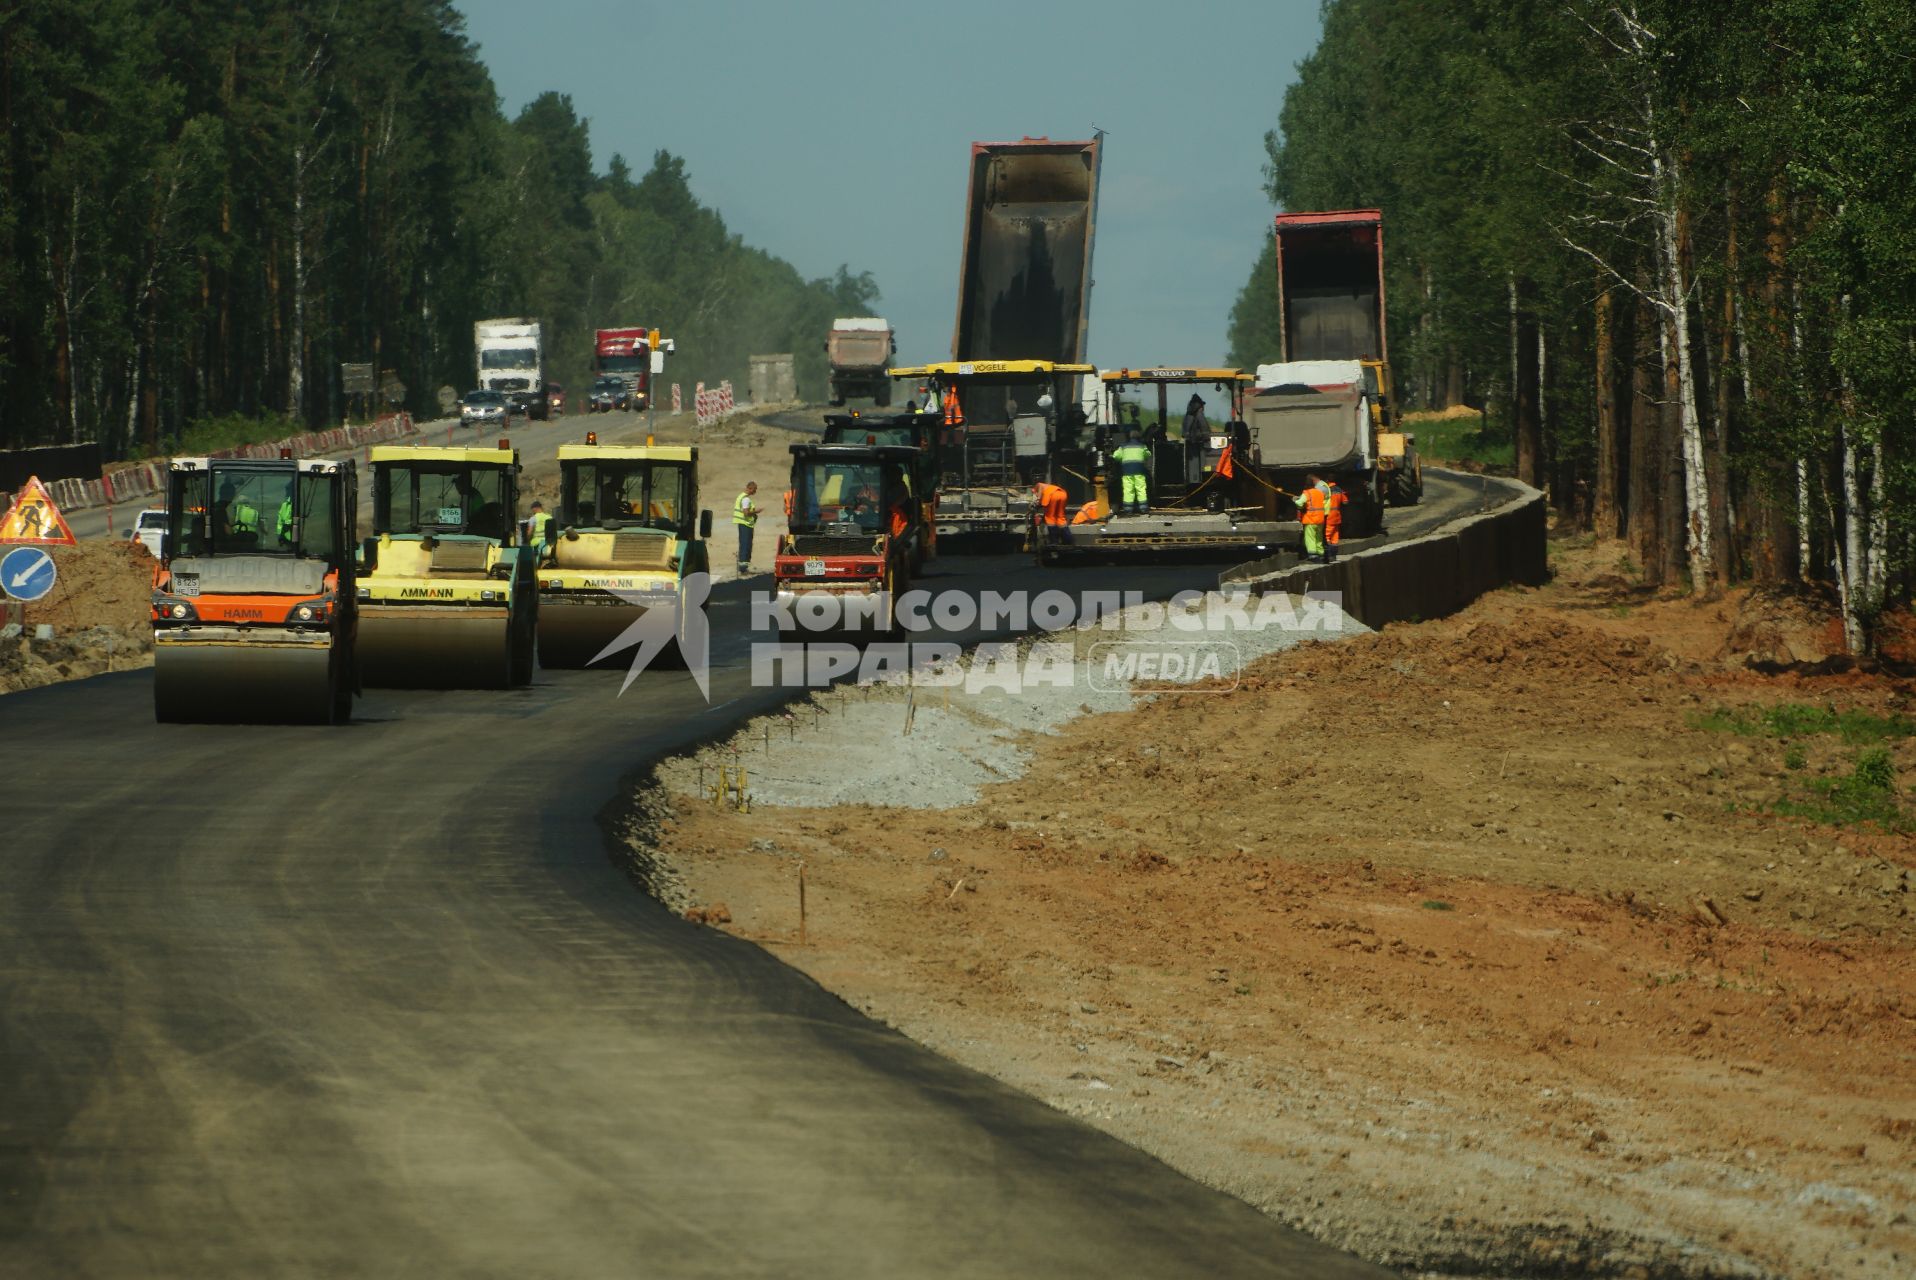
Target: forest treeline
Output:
[
  {"x": 207, "y": 205},
  {"x": 1669, "y": 246}
]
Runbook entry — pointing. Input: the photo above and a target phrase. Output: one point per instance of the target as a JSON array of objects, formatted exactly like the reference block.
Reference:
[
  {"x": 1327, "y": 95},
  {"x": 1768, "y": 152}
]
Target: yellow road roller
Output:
[
  {"x": 628, "y": 536},
  {"x": 447, "y": 597},
  {"x": 253, "y": 597}
]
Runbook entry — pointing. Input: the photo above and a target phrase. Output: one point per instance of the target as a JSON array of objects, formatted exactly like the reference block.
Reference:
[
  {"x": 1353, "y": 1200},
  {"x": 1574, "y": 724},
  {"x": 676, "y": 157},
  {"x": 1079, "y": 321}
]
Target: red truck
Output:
[{"x": 626, "y": 354}]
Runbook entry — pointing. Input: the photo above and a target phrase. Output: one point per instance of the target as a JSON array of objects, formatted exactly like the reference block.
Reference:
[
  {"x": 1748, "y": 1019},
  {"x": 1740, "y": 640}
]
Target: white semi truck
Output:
[{"x": 511, "y": 359}]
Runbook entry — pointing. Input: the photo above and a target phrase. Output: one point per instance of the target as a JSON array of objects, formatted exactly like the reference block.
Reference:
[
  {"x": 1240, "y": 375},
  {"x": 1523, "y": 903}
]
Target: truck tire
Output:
[{"x": 882, "y": 396}]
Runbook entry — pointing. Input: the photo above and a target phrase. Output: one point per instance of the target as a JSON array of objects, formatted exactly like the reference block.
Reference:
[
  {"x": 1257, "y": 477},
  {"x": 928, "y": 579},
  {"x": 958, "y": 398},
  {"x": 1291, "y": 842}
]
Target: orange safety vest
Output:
[
  {"x": 1087, "y": 514},
  {"x": 1334, "y": 514},
  {"x": 899, "y": 522},
  {"x": 954, "y": 413},
  {"x": 791, "y": 502},
  {"x": 1051, "y": 501},
  {"x": 1313, "y": 506}
]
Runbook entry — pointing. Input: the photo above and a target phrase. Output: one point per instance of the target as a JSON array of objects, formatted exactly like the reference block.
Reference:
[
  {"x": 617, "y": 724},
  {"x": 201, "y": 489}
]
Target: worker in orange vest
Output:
[
  {"x": 1311, "y": 504},
  {"x": 1049, "y": 502},
  {"x": 954, "y": 412},
  {"x": 1087, "y": 514},
  {"x": 1334, "y": 500}
]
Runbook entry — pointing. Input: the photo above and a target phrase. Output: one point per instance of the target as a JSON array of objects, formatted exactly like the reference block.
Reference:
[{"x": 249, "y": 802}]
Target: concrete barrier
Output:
[{"x": 1429, "y": 576}]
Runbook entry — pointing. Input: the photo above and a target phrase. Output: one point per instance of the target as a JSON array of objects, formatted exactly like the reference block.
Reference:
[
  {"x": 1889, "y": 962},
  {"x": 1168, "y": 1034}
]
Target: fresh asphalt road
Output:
[{"x": 376, "y": 1001}]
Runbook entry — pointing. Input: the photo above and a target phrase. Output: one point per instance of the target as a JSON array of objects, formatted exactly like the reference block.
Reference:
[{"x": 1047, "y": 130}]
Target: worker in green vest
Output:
[
  {"x": 745, "y": 519},
  {"x": 285, "y": 522},
  {"x": 242, "y": 517},
  {"x": 1134, "y": 462}
]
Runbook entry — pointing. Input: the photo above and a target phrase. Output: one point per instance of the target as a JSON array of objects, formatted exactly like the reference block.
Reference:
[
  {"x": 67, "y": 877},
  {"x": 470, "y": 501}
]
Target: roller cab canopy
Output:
[
  {"x": 258, "y": 507},
  {"x": 613, "y": 487},
  {"x": 849, "y": 488},
  {"x": 421, "y": 490}
]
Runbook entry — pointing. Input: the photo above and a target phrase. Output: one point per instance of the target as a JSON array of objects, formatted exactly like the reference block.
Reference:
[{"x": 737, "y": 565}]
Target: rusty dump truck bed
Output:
[{"x": 1024, "y": 288}]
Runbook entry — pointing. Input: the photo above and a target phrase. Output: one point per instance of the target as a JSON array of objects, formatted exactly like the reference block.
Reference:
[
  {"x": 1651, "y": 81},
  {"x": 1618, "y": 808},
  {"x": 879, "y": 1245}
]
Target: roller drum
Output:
[
  {"x": 435, "y": 649},
  {"x": 246, "y": 682},
  {"x": 572, "y": 635}
]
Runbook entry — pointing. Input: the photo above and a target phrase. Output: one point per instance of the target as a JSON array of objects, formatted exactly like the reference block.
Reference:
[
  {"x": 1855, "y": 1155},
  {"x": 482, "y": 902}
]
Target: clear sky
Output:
[{"x": 839, "y": 131}]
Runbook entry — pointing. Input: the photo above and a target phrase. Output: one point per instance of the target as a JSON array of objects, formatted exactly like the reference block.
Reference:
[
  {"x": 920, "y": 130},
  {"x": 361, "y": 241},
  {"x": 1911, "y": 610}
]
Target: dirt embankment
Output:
[
  {"x": 1478, "y": 946},
  {"x": 99, "y": 613}
]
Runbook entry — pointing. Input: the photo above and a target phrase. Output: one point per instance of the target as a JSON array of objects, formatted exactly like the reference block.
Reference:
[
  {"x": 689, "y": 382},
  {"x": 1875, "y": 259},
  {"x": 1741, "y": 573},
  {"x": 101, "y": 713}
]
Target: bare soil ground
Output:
[
  {"x": 1475, "y": 946},
  {"x": 98, "y": 610}
]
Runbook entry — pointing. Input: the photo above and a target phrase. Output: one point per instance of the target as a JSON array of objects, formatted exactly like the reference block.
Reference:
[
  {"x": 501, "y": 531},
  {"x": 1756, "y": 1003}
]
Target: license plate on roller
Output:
[{"x": 814, "y": 567}]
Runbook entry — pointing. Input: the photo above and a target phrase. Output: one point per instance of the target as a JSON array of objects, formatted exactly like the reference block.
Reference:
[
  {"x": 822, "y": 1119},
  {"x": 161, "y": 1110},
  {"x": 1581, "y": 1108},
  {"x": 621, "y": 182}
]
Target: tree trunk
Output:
[
  {"x": 1525, "y": 382},
  {"x": 1613, "y": 333},
  {"x": 1680, "y": 378},
  {"x": 1453, "y": 381},
  {"x": 1644, "y": 512},
  {"x": 296, "y": 336}
]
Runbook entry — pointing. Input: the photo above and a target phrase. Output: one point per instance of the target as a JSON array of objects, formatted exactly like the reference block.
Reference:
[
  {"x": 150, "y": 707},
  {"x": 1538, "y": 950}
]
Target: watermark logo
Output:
[
  {"x": 1105, "y": 640},
  {"x": 672, "y": 619}
]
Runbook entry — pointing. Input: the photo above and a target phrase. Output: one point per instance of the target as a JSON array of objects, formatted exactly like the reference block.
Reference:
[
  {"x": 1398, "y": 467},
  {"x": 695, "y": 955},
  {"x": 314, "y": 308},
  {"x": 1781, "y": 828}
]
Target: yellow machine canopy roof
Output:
[
  {"x": 990, "y": 370},
  {"x": 1171, "y": 373},
  {"x": 628, "y": 452},
  {"x": 442, "y": 453}
]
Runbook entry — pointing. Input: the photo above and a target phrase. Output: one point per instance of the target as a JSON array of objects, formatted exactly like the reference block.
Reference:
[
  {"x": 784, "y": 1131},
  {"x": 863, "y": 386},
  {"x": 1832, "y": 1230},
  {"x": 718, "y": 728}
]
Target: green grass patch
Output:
[
  {"x": 1461, "y": 439},
  {"x": 1435, "y": 904},
  {"x": 1866, "y": 794},
  {"x": 1800, "y": 720},
  {"x": 232, "y": 430}
]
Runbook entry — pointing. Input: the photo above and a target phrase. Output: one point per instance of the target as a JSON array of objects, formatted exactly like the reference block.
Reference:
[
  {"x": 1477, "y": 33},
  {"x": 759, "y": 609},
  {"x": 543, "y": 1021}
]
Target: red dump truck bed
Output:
[{"x": 1330, "y": 285}]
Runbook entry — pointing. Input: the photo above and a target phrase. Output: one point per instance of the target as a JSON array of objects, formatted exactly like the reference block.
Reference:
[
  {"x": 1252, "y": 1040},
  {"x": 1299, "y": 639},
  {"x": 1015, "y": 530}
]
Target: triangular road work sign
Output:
[{"x": 34, "y": 518}]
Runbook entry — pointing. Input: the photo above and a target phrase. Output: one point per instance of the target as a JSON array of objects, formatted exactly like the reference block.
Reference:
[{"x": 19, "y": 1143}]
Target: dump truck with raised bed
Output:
[
  {"x": 1024, "y": 280},
  {"x": 628, "y": 541},
  {"x": 1010, "y": 438},
  {"x": 254, "y": 605},
  {"x": 857, "y": 351},
  {"x": 1203, "y": 500},
  {"x": 854, "y": 532},
  {"x": 447, "y": 596},
  {"x": 1326, "y": 406}
]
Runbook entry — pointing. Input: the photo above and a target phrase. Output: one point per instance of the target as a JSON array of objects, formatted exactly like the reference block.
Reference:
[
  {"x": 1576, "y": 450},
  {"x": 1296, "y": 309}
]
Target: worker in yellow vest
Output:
[
  {"x": 538, "y": 521},
  {"x": 745, "y": 520},
  {"x": 1134, "y": 463}
]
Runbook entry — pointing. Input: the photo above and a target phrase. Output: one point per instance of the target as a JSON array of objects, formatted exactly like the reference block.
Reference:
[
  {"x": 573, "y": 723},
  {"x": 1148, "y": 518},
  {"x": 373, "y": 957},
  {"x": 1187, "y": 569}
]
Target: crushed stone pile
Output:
[{"x": 932, "y": 738}]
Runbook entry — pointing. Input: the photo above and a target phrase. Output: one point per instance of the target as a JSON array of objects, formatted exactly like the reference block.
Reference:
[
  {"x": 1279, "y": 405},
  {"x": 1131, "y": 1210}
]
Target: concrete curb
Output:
[{"x": 1429, "y": 576}]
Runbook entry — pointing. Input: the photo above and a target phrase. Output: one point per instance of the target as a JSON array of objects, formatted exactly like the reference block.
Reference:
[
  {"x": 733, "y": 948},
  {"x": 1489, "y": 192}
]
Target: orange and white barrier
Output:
[{"x": 143, "y": 479}]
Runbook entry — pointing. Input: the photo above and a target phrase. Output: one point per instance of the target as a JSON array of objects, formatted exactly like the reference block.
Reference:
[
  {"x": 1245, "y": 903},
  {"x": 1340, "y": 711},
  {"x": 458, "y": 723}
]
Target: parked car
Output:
[
  {"x": 485, "y": 409},
  {"x": 609, "y": 392},
  {"x": 148, "y": 528},
  {"x": 555, "y": 398}
]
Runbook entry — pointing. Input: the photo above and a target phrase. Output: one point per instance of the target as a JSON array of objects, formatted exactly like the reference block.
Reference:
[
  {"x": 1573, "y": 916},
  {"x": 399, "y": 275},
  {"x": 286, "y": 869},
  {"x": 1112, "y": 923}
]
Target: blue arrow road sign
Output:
[{"x": 26, "y": 573}]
